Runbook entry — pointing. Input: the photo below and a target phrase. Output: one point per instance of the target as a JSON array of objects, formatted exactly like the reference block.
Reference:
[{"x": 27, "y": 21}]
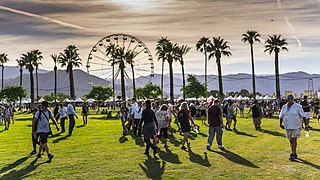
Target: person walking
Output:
[
  {"x": 215, "y": 122},
  {"x": 85, "y": 112},
  {"x": 136, "y": 114},
  {"x": 256, "y": 115},
  {"x": 41, "y": 128},
  {"x": 291, "y": 115},
  {"x": 62, "y": 112},
  {"x": 184, "y": 117},
  {"x": 163, "y": 121},
  {"x": 231, "y": 116},
  {"x": 150, "y": 124},
  {"x": 7, "y": 116},
  {"x": 56, "y": 112},
  {"x": 71, "y": 113},
  {"x": 306, "y": 109},
  {"x": 123, "y": 117}
]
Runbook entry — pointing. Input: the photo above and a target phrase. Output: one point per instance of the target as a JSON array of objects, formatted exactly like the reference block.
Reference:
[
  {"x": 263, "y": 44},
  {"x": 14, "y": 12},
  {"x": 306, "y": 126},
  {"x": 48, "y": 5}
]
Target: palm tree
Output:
[
  {"x": 55, "y": 60},
  {"x": 3, "y": 59},
  {"x": 29, "y": 59},
  {"x": 38, "y": 55},
  {"x": 251, "y": 37},
  {"x": 118, "y": 58},
  {"x": 276, "y": 44},
  {"x": 110, "y": 52},
  {"x": 219, "y": 47},
  {"x": 70, "y": 58},
  {"x": 180, "y": 52},
  {"x": 20, "y": 64},
  {"x": 161, "y": 57},
  {"x": 129, "y": 56},
  {"x": 203, "y": 45}
]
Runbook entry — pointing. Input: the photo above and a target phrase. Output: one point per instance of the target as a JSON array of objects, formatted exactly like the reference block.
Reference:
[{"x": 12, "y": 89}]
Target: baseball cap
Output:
[{"x": 290, "y": 96}]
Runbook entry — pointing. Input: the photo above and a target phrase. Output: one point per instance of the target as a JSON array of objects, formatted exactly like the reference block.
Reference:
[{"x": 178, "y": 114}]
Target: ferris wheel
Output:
[{"x": 118, "y": 59}]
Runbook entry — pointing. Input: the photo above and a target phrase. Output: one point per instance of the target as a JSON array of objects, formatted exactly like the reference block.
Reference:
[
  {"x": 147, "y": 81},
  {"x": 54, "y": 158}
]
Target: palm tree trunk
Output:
[
  {"x": 277, "y": 76},
  {"x": 253, "y": 74},
  {"x": 205, "y": 72},
  {"x": 2, "y": 80},
  {"x": 113, "y": 88},
  {"x": 72, "y": 94},
  {"x": 55, "y": 83},
  {"x": 171, "y": 84},
  {"x": 20, "y": 96},
  {"x": 220, "y": 80},
  {"x": 162, "y": 79},
  {"x": 123, "y": 90},
  {"x": 183, "y": 80},
  {"x": 133, "y": 81},
  {"x": 31, "y": 89},
  {"x": 37, "y": 84}
]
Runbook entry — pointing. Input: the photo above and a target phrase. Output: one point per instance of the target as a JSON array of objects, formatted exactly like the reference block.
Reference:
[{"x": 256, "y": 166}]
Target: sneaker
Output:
[
  {"x": 235, "y": 129},
  {"x": 183, "y": 148},
  {"x": 50, "y": 156},
  {"x": 33, "y": 152},
  {"x": 208, "y": 148},
  {"x": 38, "y": 156},
  {"x": 295, "y": 155},
  {"x": 292, "y": 157},
  {"x": 189, "y": 145},
  {"x": 221, "y": 146}
]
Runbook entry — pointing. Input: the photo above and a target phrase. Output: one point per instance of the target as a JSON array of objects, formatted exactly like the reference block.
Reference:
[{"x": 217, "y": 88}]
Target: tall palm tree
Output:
[
  {"x": 251, "y": 37},
  {"x": 161, "y": 57},
  {"x": 180, "y": 51},
  {"x": 203, "y": 45},
  {"x": 110, "y": 52},
  {"x": 219, "y": 48},
  {"x": 129, "y": 56},
  {"x": 118, "y": 58},
  {"x": 20, "y": 64},
  {"x": 55, "y": 59},
  {"x": 276, "y": 44},
  {"x": 29, "y": 59},
  {"x": 3, "y": 60},
  {"x": 38, "y": 55},
  {"x": 70, "y": 58}
]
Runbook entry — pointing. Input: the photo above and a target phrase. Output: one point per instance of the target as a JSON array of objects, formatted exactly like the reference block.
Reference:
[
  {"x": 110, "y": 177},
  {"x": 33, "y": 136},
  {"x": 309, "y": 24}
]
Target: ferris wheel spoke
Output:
[
  {"x": 102, "y": 59},
  {"x": 141, "y": 58},
  {"x": 142, "y": 64},
  {"x": 145, "y": 70}
]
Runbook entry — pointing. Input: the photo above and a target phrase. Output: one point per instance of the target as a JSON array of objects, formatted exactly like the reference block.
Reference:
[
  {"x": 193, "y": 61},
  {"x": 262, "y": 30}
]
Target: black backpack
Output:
[
  {"x": 225, "y": 109},
  {"x": 181, "y": 116}
]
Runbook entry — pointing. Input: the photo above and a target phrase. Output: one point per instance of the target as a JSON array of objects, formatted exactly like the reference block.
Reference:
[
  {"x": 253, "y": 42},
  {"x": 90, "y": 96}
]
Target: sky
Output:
[{"x": 51, "y": 25}]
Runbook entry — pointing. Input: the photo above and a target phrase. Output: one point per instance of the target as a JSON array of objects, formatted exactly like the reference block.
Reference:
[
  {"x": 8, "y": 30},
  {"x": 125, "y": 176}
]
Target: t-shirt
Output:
[
  {"x": 230, "y": 111},
  {"x": 292, "y": 116},
  {"x": 63, "y": 112},
  {"x": 193, "y": 111},
  {"x": 214, "y": 115},
  {"x": 305, "y": 106},
  {"x": 256, "y": 111},
  {"x": 170, "y": 110},
  {"x": 137, "y": 111},
  {"x": 43, "y": 121},
  {"x": 161, "y": 118}
]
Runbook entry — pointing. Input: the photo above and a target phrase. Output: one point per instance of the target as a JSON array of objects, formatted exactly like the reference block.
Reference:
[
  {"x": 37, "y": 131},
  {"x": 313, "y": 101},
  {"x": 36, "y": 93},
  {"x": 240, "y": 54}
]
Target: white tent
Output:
[
  {"x": 201, "y": 98},
  {"x": 230, "y": 98},
  {"x": 28, "y": 100},
  {"x": 67, "y": 100},
  {"x": 3, "y": 101},
  {"x": 239, "y": 98},
  {"x": 90, "y": 100},
  {"x": 79, "y": 100},
  {"x": 41, "y": 100},
  {"x": 71, "y": 100},
  {"x": 24, "y": 101},
  {"x": 267, "y": 97}
]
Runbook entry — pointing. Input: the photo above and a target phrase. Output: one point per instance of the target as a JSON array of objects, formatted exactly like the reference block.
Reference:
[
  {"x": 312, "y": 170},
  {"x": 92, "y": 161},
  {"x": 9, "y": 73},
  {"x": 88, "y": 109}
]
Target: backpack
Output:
[
  {"x": 181, "y": 116},
  {"x": 48, "y": 119},
  {"x": 225, "y": 109}
]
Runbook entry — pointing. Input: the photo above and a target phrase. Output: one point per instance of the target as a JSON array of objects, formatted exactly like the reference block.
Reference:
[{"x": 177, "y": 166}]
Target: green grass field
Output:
[{"x": 99, "y": 151}]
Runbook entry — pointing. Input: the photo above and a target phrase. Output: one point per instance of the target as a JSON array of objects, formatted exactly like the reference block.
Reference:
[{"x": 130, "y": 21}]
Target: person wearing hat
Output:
[
  {"x": 306, "y": 108},
  {"x": 291, "y": 115},
  {"x": 41, "y": 128}
]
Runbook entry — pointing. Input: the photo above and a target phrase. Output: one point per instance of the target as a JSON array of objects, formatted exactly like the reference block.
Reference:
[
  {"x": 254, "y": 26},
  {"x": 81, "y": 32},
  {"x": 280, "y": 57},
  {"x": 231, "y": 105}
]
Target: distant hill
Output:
[{"x": 294, "y": 81}]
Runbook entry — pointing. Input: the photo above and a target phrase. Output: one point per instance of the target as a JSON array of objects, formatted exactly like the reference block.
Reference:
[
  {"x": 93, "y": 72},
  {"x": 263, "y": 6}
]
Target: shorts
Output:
[
  {"x": 43, "y": 137},
  {"x": 293, "y": 133},
  {"x": 163, "y": 133},
  {"x": 307, "y": 114},
  {"x": 257, "y": 121},
  {"x": 7, "y": 120}
]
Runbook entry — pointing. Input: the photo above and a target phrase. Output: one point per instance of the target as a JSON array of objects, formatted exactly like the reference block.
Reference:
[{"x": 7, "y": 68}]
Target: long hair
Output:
[{"x": 184, "y": 106}]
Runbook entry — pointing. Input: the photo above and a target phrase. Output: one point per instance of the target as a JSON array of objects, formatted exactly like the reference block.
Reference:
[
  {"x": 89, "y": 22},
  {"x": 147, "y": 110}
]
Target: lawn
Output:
[{"x": 99, "y": 151}]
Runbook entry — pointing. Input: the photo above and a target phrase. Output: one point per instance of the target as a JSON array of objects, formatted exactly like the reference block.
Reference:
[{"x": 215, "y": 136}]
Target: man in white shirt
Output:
[
  {"x": 71, "y": 113},
  {"x": 62, "y": 112},
  {"x": 136, "y": 113},
  {"x": 291, "y": 114}
]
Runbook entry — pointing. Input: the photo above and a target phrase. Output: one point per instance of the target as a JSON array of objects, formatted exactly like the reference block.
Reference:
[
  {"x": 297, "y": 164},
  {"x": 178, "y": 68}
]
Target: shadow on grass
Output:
[
  {"x": 56, "y": 135},
  {"x": 60, "y": 139},
  {"x": 23, "y": 119},
  {"x": 138, "y": 140},
  {"x": 244, "y": 134},
  {"x": 196, "y": 158},
  {"x": 274, "y": 133},
  {"x": 80, "y": 126},
  {"x": 153, "y": 168},
  {"x": 20, "y": 174},
  {"x": 174, "y": 141},
  {"x": 313, "y": 129},
  {"x": 2, "y": 130},
  {"x": 235, "y": 158},
  {"x": 308, "y": 163},
  {"x": 123, "y": 139},
  {"x": 168, "y": 156},
  {"x": 13, "y": 165}
]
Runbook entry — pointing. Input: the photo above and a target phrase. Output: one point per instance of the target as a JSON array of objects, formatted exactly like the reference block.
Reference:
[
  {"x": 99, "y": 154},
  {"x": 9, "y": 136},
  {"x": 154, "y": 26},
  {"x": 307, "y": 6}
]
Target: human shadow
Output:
[
  {"x": 235, "y": 158},
  {"x": 153, "y": 168},
  {"x": 20, "y": 174},
  {"x": 174, "y": 141},
  {"x": 196, "y": 158},
  {"x": 2, "y": 130},
  {"x": 308, "y": 163},
  {"x": 170, "y": 157},
  {"x": 313, "y": 129},
  {"x": 80, "y": 126},
  {"x": 14, "y": 164},
  {"x": 60, "y": 139},
  {"x": 56, "y": 135},
  {"x": 202, "y": 134},
  {"x": 274, "y": 133},
  {"x": 123, "y": 139},
  {"x": 138, "y": 140},
  {"x": 244, "y": 134}
]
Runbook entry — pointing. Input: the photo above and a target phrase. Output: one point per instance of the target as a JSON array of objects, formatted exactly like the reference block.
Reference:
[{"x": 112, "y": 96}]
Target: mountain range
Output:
[{"x": 297, "y": 82}]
